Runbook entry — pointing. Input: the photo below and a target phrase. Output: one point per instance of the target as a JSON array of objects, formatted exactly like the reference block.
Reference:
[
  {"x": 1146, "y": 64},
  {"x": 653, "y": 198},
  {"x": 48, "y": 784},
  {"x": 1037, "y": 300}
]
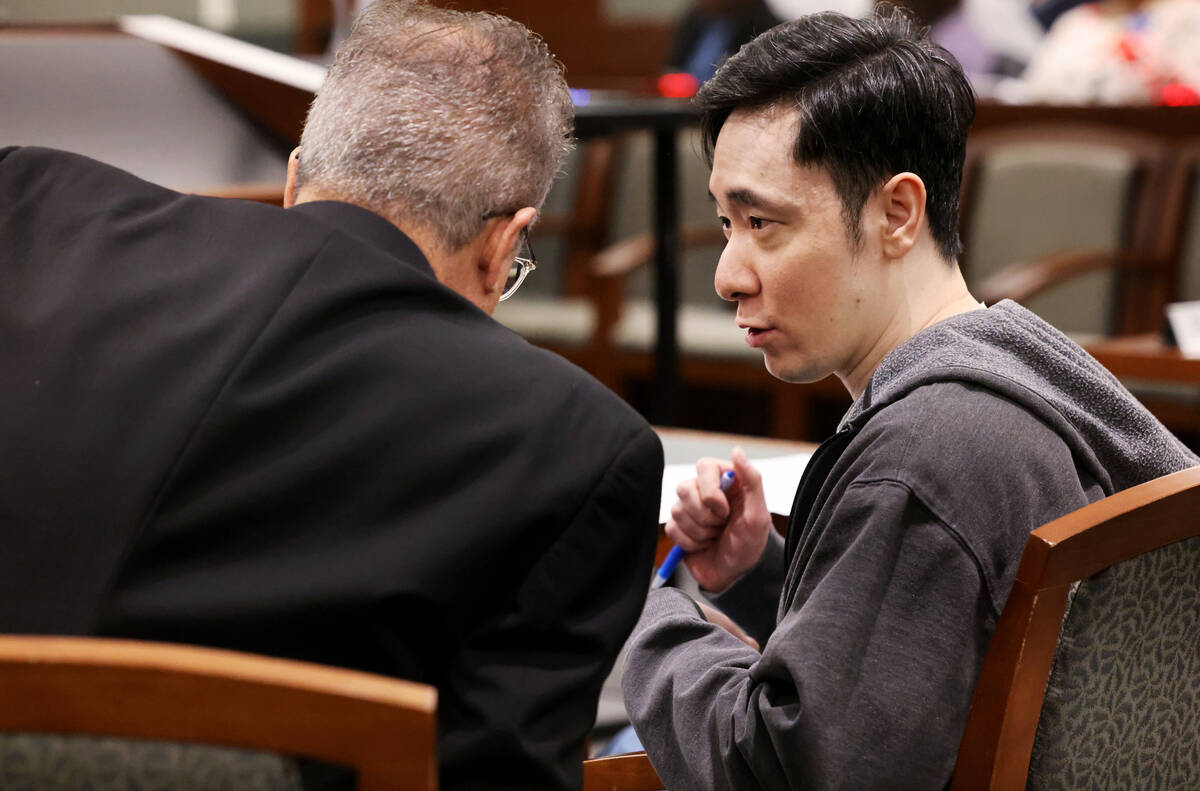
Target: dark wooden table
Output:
[{"x": 1145, "y": 357}]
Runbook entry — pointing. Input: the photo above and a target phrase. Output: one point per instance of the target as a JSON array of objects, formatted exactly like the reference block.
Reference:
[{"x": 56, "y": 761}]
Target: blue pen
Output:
[{"x": 676, "y": 554}]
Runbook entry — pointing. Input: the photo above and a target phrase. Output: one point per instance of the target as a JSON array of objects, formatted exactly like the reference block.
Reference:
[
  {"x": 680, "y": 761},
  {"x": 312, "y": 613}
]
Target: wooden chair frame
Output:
[
  {"x": 629, "y": 772},
  {"x": 998, "y": 740},
  {"x": 1140, "y": 264},
  {"x": 1150, "y": 266},
  {"x": 1178, "y": 200},
  {"x": 382, "y": 727}
]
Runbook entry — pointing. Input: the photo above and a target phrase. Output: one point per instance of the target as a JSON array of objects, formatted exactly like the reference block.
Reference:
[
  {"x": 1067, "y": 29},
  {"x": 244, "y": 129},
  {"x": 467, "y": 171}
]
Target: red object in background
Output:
[
  {"x": 1128, "y": 48},
  {"x": 1177, "y": 94},
  {"x": 678, "y": 85}
]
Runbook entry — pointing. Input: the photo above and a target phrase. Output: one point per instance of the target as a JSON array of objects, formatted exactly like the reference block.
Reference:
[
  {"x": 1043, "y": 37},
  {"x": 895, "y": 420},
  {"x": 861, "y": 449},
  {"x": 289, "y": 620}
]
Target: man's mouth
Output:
[{"x": 755, "y": 335}]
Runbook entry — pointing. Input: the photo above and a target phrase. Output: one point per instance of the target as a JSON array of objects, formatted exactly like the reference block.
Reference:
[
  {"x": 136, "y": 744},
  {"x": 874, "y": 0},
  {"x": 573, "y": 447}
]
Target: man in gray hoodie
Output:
[{"x": 836, "y": 148}]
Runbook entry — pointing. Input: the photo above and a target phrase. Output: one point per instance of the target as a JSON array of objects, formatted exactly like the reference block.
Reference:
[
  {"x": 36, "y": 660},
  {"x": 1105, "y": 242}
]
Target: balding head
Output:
[{"x": 437, "y": 120}]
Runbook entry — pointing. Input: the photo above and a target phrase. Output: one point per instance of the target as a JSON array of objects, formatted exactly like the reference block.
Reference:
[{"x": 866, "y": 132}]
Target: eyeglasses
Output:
[{"x": 520, "y": 268}]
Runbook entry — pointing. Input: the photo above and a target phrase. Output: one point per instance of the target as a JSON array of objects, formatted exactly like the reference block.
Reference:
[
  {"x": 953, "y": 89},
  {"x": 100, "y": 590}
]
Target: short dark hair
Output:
[{"x": 875, "y": 96}]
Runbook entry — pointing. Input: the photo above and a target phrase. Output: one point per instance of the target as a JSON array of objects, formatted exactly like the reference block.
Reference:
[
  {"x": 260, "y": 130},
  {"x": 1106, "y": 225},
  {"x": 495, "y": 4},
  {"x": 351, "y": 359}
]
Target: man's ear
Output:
[
  {"x": 903, "y": 203},
  {"x": 500, "y": 238},
  {"x": 289, "y": 188}
]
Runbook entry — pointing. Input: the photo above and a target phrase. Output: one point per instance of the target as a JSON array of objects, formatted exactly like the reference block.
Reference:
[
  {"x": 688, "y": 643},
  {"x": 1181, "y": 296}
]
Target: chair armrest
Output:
[
  {"x": 1025, "y": 279},
  {"x": 623, "y": 257},
  {"x": 629, "y": 772}
]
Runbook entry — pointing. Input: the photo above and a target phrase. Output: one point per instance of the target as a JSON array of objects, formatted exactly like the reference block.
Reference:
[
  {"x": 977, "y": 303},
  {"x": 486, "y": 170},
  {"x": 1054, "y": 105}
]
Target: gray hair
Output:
[{"x": 438, "y": 117}]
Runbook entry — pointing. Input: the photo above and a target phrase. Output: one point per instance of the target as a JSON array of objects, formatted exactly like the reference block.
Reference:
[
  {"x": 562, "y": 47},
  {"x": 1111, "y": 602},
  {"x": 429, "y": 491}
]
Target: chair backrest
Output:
[
  {"x": 1181, "y": 232},
  {"x": 1042, "y": 189},
  {"x": 634, "y": 212},
  {"x": 628, "y": 772},
  {"x": 382, "y": 727},
  {"x": 705, "y": 322},
  {"x": 565, "y": 307},
  {"x": 1109, "y": 695}
]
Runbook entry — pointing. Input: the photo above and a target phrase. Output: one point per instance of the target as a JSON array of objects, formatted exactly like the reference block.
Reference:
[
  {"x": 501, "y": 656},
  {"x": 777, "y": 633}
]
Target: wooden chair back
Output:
[
  {"x": 1180, "y": 226},
  {"x": 382, "y": 727},
  {"x": 999, "y": 738},
  {"x": 1071, "y": 207},
  {"x": 628, "y": 772},
  {"x": 565, "y": 307}
]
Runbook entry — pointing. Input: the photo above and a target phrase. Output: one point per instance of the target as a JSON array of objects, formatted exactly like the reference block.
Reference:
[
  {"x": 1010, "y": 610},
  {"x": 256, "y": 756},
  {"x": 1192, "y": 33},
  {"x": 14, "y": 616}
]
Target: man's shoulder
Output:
[
  {"x": 559, "y": 387},
  {"x": 983, "y": 465},
  {"x": 50, "y": 179},
  {"x": 50, "y": 188},
  {"x": 956, "y": 426},
  {"x": 50, "y": 168},
  {"x": 27, "y": 156},
  {"x": 963, "y": 448}
]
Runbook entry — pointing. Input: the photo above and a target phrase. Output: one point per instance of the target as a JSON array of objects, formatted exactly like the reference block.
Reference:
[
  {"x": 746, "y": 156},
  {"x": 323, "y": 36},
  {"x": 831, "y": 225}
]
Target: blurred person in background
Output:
[
  {"x": 989, "y": 38},
  {"x": 711, "y": 31},
  {"x": 1119, "y": 52}
]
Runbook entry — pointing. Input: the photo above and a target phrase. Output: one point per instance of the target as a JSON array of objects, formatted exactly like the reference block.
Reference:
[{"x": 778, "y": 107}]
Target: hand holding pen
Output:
[
  {"x": 722, "y": 528},
  {"x": 676, "y": 554}
]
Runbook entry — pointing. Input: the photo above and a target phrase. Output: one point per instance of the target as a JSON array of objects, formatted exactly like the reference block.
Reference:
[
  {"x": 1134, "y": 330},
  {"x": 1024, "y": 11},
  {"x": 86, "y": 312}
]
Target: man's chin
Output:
[{"x": 793, "y": 371}]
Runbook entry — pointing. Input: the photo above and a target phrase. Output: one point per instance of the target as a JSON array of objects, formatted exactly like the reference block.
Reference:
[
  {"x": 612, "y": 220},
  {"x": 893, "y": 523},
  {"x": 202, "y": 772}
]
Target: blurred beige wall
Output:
[
  {"x": 248, "y": 15},
  {"x": 645, "y": 10}
]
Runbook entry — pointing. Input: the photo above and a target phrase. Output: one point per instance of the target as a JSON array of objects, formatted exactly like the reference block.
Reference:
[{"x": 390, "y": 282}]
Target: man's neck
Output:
[{"x": 922, "y": 301}]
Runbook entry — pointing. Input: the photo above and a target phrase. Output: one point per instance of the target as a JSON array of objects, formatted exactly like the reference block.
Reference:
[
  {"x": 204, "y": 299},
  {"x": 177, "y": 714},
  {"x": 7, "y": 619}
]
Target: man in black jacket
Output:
[{"x": 299, "y": 432}]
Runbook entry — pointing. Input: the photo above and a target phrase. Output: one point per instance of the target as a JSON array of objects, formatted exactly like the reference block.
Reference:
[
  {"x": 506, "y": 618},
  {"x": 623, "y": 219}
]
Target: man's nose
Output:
[{"x": 734, "y": 278}]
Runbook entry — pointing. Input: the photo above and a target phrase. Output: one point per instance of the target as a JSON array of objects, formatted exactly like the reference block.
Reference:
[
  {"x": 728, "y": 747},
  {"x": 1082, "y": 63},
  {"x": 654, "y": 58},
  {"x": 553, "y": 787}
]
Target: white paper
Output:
[
  {"x": 1185, "y": 324},
  {"x": 780, "y": 477}
]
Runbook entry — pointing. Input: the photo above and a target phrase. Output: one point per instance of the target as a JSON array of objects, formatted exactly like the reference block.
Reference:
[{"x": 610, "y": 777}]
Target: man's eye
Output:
[
  {"x": 756, "y": 223},
  {"x": 725, "y": 225}
]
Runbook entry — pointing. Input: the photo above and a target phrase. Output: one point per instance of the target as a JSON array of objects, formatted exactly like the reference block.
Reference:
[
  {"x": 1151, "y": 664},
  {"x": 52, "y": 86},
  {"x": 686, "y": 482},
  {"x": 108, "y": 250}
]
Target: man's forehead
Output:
[
  {"x": 753, "y": 161},
  {"x": 782, "y": 114}
]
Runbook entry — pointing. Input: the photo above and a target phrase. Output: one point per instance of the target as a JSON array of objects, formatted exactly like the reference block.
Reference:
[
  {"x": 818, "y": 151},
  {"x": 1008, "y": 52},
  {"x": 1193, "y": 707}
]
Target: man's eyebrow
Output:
[{"x": 748, "y": 198}]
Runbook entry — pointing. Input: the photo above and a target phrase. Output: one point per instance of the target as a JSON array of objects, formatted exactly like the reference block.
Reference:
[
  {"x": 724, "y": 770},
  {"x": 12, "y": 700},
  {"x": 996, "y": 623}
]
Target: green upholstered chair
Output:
[
  {"x": 161, "y": 708},
  {"x": 1092, "y": 680}
]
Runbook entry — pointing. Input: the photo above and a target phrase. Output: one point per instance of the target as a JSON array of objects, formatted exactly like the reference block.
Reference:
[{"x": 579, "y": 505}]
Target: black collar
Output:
[{"x": 367, "y": 226}]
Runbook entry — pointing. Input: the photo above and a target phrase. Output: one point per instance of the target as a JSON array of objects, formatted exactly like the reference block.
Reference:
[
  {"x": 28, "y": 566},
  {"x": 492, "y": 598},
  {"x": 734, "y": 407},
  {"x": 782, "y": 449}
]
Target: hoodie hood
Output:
[{"x": 1011, "y": 351}]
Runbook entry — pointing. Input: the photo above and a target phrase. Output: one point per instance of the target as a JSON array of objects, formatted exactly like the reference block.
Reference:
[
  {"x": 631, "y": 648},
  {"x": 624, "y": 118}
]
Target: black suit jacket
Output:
[{"x": 273, "y": 430}]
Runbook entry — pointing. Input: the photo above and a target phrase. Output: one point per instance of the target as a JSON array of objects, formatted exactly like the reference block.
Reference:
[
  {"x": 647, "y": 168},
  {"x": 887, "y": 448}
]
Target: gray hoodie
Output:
[{"x": 904, "y": 538}]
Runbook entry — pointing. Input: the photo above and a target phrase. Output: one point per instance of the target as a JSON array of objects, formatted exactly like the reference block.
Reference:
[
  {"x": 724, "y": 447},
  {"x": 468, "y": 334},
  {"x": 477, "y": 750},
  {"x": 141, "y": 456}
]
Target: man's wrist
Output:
[{"x": 770, "y": 556}]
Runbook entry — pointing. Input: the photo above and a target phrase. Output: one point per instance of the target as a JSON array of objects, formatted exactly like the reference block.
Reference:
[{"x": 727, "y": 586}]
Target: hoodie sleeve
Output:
[
  {"x": 753, "y": 599},
  {"x": 852, "y": 689}
]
